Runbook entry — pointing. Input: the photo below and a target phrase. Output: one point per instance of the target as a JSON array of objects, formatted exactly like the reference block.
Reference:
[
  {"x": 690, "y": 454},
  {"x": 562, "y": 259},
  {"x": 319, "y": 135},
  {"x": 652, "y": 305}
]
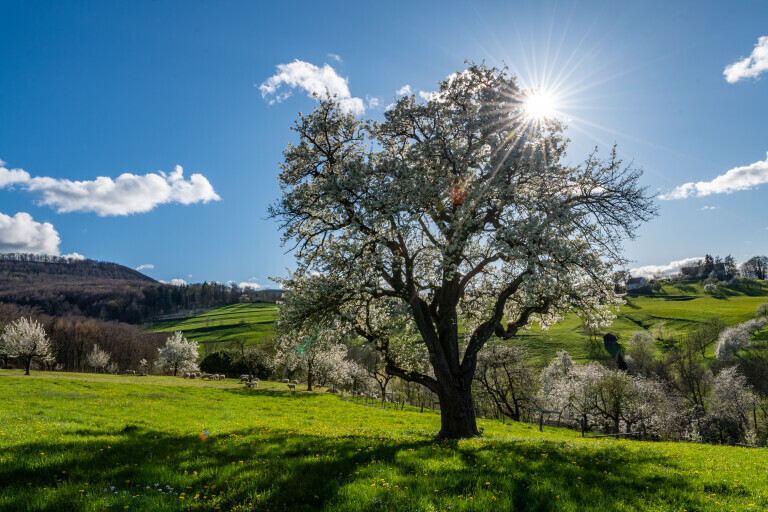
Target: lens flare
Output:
[{"x": 540, "y": 105}]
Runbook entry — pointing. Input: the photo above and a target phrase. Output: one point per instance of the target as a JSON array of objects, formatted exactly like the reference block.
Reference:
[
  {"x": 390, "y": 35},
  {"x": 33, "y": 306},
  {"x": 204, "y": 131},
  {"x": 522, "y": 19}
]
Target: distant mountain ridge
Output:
[{"x": 22, "y": 264}]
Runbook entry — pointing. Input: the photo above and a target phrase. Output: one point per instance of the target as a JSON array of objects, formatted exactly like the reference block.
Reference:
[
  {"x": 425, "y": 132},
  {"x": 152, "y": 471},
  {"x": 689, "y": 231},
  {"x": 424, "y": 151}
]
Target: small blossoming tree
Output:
[
  {"x": 98, "y": 359},
  {"x": 177, "y": 354},
  {"x": 26, "y": 338}
]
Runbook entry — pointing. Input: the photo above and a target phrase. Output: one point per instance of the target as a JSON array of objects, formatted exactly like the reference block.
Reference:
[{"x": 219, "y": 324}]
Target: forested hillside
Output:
[{"x": 108, "y": 291}]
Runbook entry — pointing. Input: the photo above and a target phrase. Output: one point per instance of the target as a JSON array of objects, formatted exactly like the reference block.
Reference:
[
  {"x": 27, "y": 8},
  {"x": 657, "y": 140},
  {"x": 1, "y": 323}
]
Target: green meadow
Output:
[
  {"x": 248, "y": 321},
  {"x": 675, "y": 308},
  {"x": 83, "y": 442}
]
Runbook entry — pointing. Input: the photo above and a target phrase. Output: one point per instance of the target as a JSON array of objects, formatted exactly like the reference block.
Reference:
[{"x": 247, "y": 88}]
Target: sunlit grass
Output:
[
  {"x": 676, "y": 308},
  {"x": 97, "y": 442},
  {"x": 250, "y": 321}
]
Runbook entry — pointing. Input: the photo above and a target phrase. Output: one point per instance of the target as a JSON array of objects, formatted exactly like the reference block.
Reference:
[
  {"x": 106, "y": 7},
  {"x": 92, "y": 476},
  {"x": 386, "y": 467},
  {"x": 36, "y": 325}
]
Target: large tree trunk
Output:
[
  {"x": 309, "y": 377},
  {"x": 457, "y": 413},
  {"x": 29, "y": 363}
]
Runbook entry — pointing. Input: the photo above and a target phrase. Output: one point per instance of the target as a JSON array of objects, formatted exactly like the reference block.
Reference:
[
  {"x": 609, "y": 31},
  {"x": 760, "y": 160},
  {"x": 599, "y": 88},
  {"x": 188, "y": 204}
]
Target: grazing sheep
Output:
[
  {"x": 186, "y": 375},
  {"x": 291, "y": 386},
  {"x": 192, "y": 375},
  {"x": 251, "y": 385},
  {"x": 244, "y": 378},
  {"x": 255, "y": 378},
  {"x": 294, "y": 382},
  {"x": 130, "y": 372},
  {"x": 286, "y": 381},
  {"x": 332, "y": 390}
]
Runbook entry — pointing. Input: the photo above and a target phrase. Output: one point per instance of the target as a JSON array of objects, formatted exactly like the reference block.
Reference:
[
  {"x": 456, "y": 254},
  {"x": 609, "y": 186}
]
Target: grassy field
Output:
[
  {"x": 676, "y": 307},
  {"x": 250, "y": 321},
  {"x": 81, "y": 442}
]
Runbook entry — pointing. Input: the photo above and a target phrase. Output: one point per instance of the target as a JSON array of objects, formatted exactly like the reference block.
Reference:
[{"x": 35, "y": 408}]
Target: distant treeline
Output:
[
  {"x": 107, "y": 291},
  {"x": 36, "y": 264},
  {"x": 73, "y": 338}
]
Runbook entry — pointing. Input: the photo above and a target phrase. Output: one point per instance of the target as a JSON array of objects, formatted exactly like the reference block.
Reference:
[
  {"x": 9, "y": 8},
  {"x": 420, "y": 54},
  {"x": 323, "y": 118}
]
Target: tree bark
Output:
[
  {"x": 29, "y": 363},
  {"x": 457, "y": 413}
]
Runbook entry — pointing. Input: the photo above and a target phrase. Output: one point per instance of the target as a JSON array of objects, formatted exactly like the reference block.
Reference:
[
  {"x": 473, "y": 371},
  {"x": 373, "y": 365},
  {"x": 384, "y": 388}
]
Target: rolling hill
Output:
[
  {"x": 248, "y": 321},
  {"x": 675, "y": 308}
]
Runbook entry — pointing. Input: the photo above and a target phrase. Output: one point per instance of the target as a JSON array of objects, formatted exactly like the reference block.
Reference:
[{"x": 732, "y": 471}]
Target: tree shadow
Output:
[{"x": 283, "y": 471}]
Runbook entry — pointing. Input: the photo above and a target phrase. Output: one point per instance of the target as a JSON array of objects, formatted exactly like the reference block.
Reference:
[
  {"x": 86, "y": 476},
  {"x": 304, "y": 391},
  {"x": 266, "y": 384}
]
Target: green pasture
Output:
[
  {"x": 81, "y": 442},
  {"x": 248, "y": 321},
  {"x": 675, "y": 309}
]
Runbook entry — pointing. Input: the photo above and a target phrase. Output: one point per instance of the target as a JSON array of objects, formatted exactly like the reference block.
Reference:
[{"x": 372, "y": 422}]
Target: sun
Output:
[{"x": 540, "y": 105}]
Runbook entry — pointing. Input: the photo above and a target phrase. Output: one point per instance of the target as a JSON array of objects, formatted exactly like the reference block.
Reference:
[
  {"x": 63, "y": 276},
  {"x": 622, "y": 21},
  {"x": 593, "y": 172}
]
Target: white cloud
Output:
[
  {"x": 146, "y": 266},
  {"x": 673, "y": 267},
  {"x": 12, "y": 176},
  {"x": 738, "y": 178},
  {"x": 709, "y": 208},
  {"x": 21, "y": 233},
  {"x": 76, "y": 256},
  {"x": 404, "y": 90},
  {"x": 335, "y": 57},
  {"x": 253, "y": 286},
  {"x": 313, "y": 80},
  {"x": 178, "y": 282},
  {"x": 372, "y": 102},
  {"x": 429, "y": 95},
  {"x": 127, "y": 194},
  {"x": 749, "y": 67}
]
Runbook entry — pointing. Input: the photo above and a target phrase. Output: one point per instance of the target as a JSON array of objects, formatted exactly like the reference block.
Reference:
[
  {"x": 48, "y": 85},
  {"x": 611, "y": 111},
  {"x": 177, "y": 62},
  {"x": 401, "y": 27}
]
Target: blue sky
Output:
[{"x": 92, "y": 90}]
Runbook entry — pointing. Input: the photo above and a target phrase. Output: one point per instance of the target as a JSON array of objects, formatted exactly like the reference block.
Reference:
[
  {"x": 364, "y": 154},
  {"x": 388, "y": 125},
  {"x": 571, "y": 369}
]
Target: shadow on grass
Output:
[{"x": 276, "y": 470}]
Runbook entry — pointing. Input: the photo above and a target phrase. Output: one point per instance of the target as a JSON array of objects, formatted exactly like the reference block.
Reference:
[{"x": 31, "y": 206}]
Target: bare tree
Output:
[
  {"x": 756, "y": 267},
  {"x": 508, "y": 377}
]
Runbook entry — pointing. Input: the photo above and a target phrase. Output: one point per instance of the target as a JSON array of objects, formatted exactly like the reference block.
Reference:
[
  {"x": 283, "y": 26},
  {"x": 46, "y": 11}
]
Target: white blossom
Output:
[
  {"x": 738, "y": 337},
  {"x": 458, "y": 210},
  {"x": 27, "y": 339},
  {"x": 98, "y": 358},
  {"x": 178, "y": 354}
]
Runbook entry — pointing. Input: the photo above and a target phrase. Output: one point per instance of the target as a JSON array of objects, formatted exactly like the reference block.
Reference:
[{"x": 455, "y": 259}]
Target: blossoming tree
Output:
[
  {"x": 26, "y": 338},
  {"x": 178, "y": 354},
  {"x": 455, "y": 210}
]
